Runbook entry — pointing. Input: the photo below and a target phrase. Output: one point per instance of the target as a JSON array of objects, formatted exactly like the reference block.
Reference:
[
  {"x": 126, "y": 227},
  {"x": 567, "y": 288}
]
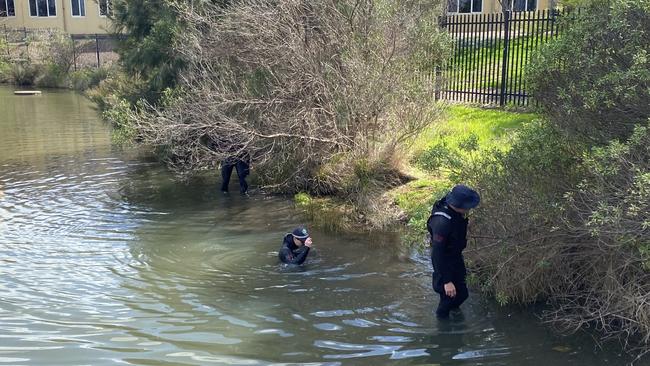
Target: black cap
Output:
[
  {"x": 300, "y": 233},
  {"x": 463, "y": 197}
]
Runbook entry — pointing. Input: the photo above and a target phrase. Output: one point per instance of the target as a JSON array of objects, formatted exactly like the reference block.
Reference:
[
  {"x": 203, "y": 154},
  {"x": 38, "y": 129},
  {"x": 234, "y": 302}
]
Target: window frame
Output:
[
  {"x": 6, "y": 2},
  {"x": 37, "y": 16},
  {"x": 471, "y": 4},
  {"x": 109, "y": 8},
  {"x": 80, "y": 7}
]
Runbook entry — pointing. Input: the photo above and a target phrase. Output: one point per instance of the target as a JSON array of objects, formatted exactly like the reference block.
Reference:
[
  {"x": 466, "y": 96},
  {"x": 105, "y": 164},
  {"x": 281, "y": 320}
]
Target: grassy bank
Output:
[
  {"x": 434, "y": 161},
  {"x": 440, "y": 154}
]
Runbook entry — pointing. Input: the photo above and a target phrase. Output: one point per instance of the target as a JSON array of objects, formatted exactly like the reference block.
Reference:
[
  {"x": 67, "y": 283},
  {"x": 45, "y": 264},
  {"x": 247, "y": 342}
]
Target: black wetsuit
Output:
[
  {"x": 242, "y": 164},
  {"x": 448, "y": 230},
  {"x": 290, "y": 253}
]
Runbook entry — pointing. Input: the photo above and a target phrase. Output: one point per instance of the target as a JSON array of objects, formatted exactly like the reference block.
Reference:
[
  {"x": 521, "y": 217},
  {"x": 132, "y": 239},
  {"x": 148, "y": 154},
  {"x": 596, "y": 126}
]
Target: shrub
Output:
[
  {"x": 593, "y": 81},
  {"x": 522, "y": 193},
  {"x": 24, "y": 73},
  {"x": 320, "y": 93},
  {"x": 87, "y": 78}
]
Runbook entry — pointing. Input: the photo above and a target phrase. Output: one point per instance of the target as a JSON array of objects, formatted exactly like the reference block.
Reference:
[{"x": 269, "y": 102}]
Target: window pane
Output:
[
  {"x": 477, "y": 6},
  {"x": 41, "y": 8},
  {"x": 52, "y": 8},
  {"x": 75, "y": 7},
  {"x": 102, "y": 7},
  {"x": 11, "y": 9},
  {"x": 32, "y": 8},
  {"x": 452, "y": 6},
  {"x": 82, "y": 7},
  {"x": 519, "y": 5},
  {"x": 532, "y": 5},
  {"x": 465, "y": 6}
]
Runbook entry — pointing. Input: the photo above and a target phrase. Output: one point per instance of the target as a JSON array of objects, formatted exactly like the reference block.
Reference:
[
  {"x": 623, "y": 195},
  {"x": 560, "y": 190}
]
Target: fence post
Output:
[
  {"x": 97, "y": 48},
  {"x": 74, "y": 53},
  {"x": 26, "y": 43},
  {"x": 7, "y": 41},
  {"x": 504, "y": 68}
]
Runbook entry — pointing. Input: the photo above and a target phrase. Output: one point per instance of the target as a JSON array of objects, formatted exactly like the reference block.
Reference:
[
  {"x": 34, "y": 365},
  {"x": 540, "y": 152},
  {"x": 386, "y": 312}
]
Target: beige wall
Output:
[{"x": 89, "y": 24}]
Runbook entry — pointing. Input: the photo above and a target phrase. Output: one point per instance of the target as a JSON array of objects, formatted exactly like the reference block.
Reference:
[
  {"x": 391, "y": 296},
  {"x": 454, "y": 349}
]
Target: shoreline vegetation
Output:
[
  {"x": 47, "y": 62},
  {"x": 325, "y": 98}
]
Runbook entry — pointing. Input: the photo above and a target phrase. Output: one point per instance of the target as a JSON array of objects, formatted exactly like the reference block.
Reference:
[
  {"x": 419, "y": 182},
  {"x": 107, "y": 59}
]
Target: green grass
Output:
[
  {"x": 490, "y": 126},
  {"x": 463, "y": 134},
  {"x": 468, "y": 62}
]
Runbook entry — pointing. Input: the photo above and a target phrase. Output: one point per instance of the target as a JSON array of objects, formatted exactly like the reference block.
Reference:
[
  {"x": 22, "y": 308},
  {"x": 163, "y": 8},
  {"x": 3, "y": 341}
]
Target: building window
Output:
[
  {"x": 78, "y": 8},
  {"x": 465, "y": 6},
  {"x": 524, "y": 5},
  {"x": 105, "y": 8},
  {"x": 42, "y": 8},
  {"x": 7, "y": 8}
]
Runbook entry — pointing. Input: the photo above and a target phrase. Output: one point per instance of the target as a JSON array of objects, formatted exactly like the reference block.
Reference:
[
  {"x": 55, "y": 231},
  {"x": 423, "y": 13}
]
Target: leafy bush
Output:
[
  {"x": 87, "y": 78},
  {"x": 24, "y": 73},
  {"x": 593, "y": 82}
]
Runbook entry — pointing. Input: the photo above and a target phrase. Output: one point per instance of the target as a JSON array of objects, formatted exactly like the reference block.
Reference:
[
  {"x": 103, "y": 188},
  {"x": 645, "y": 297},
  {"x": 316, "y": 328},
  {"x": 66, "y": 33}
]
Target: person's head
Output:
[
  {"x": 300, "y": 235},
  {"x": 462, "y": 198}
]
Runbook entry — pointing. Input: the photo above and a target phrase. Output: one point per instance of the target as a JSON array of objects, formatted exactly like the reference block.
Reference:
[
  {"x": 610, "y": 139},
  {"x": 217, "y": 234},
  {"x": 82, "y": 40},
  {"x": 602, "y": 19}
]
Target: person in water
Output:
[
  {"x": 295, "y": 246},
  {"x": 241, "y": 162},
  {"x": 448, "y": 228}
]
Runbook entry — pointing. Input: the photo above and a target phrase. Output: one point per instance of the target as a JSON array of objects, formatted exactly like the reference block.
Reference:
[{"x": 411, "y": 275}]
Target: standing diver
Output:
[
  {"x": 295, "y": 246},
  {"x": 448, "y": 228}
]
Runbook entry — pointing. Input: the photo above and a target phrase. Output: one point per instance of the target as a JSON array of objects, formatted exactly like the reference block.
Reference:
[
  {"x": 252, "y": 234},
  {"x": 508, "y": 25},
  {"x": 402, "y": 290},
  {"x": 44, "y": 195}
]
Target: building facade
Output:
[
  {"x": 494, "y": 6},
  {"x": 91, "y": 16},
  {"x": 70, "y": 16}
]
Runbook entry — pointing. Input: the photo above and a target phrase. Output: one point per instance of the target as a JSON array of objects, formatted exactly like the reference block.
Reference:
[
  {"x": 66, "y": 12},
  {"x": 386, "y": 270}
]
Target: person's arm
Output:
[{"x": 439, "y": 227}]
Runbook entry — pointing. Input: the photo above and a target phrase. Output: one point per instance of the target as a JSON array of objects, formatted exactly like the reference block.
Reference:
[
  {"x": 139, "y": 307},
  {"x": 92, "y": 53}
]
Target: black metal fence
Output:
[
  {"x": 88, "y": 50},
  {"x": 491, "y": 53}
]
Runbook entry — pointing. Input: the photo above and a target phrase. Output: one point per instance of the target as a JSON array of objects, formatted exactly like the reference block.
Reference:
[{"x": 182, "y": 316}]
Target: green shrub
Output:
[
  {"x": 594, "y": 80},
  {"x": 87, "y": 78},
  {"x": 51, "y": 76},
  {"x": 24, "y": 73}
]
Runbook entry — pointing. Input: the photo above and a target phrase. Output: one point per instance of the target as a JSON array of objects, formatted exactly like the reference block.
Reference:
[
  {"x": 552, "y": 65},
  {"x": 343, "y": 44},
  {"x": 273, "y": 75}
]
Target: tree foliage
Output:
[
  {"x": 594, "y": 81},
  {"x": 321, "y": 93}
]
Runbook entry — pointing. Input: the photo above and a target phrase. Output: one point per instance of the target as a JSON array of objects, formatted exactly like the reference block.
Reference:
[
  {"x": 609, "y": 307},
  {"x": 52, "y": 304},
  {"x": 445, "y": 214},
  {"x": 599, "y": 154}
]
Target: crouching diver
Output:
[
  {"x": 448, "y": 228},
  {"x": 295, "y": 246}
]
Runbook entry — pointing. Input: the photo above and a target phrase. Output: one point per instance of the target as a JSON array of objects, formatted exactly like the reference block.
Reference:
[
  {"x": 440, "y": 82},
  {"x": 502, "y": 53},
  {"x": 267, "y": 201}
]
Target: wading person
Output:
[
  {"x": 448, "y": 228},
  {"x": 241, "y": 163},
  {"x": 295, "y": 246}
]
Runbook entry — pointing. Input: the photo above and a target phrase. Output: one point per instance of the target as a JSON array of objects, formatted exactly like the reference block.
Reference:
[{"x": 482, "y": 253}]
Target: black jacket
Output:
[
  {"x": 448, "y": 230},
  {"x": 290, "y": 253}
]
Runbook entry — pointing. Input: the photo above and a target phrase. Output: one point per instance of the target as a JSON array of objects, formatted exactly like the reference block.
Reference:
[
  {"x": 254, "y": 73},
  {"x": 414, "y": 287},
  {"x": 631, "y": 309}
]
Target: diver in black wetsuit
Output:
[
  {"x": 295, "y": 246},
  {"x": 448, "y": 228}
]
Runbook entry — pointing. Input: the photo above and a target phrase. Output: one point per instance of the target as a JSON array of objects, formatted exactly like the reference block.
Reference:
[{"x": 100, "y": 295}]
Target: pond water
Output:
[{"x": 105, "y": 259}]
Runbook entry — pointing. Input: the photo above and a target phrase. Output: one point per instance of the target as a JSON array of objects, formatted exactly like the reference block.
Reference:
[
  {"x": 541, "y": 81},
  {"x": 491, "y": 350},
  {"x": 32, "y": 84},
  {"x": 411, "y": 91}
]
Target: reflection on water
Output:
[{"x": 105, "y": 259}]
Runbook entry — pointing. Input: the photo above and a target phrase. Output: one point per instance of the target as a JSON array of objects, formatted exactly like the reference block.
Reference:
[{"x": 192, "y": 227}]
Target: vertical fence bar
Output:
[
  {"x": 466, "y": 55},
  {"x": 494, "y": 57},
  {"x": 472, "y": 57},
  {"x": 450, "y": 67},
  {"x": 504, "y": 69},
  {"x": 512, "y": 50},
  {"x": 483, "y": 55},
  {"x": 74, "y": 53},
  {"x": 26, "y": 42},
  {"x": 97, "y": 48},
  {"x": 526, "y": 60},
  {"x": 459, "y": 55},
  {"x": 7, "y": 41},
  {"x": 520, "y": 57}
]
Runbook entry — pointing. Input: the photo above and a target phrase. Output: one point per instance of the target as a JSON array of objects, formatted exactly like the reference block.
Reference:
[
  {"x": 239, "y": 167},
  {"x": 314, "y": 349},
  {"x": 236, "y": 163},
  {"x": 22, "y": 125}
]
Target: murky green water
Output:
[{"x": 105, "y": 260}]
